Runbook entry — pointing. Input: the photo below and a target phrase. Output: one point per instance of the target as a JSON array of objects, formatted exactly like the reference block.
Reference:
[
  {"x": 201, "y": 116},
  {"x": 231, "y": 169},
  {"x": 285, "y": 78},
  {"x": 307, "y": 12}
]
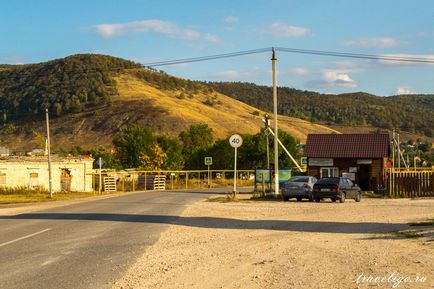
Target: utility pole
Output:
[
  {"x": 266, "y": 120},
  {"x": 276, "y": 131},
  {"x": 50, "y": 181}
]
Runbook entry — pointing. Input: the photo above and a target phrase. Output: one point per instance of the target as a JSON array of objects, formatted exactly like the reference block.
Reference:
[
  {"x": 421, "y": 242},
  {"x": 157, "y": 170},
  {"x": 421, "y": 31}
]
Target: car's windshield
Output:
[{"x": 299, "y": 179}]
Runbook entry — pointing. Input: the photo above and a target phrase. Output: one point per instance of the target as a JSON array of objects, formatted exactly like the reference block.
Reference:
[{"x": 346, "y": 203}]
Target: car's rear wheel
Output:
[
  {"x": 298, "y": 199},
  {"x": 359, "y": 197},
  {"x": 311, "y": 199},
  {"x": 342, "y": 199},
  {"x": 285, "y": 198},
  {"x": 333, "y": 200},
  {"x": 317, "y": 200}
]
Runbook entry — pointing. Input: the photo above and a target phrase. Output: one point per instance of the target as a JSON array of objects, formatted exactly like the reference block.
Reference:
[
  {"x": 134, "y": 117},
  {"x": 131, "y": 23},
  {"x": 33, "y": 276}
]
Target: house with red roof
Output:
[{"x": 360, "y": 157}]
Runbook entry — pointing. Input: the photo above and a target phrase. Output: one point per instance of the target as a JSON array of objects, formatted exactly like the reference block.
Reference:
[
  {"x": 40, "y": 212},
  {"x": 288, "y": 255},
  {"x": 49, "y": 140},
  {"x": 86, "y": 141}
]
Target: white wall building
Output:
[{"x": 68, "y": 174}]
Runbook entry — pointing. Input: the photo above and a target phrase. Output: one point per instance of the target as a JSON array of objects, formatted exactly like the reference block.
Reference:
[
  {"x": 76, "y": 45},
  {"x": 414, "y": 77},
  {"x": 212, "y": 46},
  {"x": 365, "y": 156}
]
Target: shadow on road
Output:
[{"x": 223, "y": 223}]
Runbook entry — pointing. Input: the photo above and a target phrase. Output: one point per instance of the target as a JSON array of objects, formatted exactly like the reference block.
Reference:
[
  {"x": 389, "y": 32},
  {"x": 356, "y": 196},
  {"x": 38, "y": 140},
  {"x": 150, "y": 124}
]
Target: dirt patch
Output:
[{"x": 259, "y": 244}]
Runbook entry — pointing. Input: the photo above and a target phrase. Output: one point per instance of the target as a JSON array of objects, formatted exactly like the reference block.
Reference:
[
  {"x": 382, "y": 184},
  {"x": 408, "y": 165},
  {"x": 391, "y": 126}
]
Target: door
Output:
[
  {"x": 65, "y": 180},
  {"x": 364, "y": 172}
]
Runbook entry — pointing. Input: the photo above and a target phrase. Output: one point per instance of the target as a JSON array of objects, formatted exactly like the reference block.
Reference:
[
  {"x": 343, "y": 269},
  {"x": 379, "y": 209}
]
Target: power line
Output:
[
  {"x": 205, "y": 58},
  {"x": 293, "y": 50},
  {"x": 357, "y": 55}
]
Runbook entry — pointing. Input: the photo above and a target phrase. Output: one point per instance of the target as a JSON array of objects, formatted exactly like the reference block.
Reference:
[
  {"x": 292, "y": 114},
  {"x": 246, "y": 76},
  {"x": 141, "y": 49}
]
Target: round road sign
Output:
[{"x": 235, "y": 141}]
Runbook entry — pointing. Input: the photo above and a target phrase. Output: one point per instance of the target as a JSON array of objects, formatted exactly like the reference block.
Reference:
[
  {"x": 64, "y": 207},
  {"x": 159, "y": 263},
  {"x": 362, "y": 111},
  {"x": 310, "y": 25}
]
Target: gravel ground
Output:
[{"x": 267, "y": 244}]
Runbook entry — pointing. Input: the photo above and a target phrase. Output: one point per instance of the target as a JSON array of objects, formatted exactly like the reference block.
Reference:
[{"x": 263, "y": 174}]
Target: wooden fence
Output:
[{"x": 410, "y": 183}]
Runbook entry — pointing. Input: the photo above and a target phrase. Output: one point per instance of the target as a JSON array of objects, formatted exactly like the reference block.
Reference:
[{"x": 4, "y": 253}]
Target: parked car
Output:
[
  {"x": 299, "y": 187},
  {"x": 336, "y": 189}
]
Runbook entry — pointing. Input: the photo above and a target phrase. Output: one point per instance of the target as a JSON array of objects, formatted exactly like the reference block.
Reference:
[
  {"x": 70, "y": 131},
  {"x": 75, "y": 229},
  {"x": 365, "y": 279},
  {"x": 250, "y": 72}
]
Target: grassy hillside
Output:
[
  {"x": 130, "y": 95},
  {"x": 411, "y": 113}
]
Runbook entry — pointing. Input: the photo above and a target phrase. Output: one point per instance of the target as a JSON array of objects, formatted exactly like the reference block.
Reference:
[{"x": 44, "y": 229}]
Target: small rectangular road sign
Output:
[{"x": 208, "y": 161}]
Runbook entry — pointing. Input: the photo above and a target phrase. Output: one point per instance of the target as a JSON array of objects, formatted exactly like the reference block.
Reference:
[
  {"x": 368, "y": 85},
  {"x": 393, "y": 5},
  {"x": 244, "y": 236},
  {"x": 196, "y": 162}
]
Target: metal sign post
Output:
[
  {"x": 235, "y": 141},
  {"x": 208, "y": 162}
]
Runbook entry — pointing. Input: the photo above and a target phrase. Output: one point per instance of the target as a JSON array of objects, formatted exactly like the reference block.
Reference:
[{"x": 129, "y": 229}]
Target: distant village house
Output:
[{"x": 68, "y": 174}]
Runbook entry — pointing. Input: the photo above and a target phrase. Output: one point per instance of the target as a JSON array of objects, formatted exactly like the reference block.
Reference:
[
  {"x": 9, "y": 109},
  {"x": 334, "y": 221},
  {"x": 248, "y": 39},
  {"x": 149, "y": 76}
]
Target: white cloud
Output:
[
  {"x": 373, "y": 42},
  {"x": 403, "y": 90},
  {"x": 153, "y": 25},
  {"x": 232, "y": 19},
  {"x": 283, "y": 30},
  {"x": 298, "y": 71},
  {"x": 231, "y": 74},
  {"x": 332, "y": 78},
  {"x": 236, "y": 74}
]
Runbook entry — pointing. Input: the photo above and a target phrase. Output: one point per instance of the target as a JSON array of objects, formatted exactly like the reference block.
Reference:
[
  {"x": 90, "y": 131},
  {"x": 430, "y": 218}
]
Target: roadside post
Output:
[
  {"x": 235, "y": 141},
  {"x": 100, "y": 162},
  {"x": 208, "y": 162},
  {"x": 172, "y": 175}
]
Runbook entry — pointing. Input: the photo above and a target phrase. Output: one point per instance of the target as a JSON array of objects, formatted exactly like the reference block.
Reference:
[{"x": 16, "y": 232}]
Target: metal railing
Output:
[{"x": 132, "y": 180}]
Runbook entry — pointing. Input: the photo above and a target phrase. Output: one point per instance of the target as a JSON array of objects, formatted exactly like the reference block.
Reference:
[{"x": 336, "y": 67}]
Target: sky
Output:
[{"x": 34, "y": 31}]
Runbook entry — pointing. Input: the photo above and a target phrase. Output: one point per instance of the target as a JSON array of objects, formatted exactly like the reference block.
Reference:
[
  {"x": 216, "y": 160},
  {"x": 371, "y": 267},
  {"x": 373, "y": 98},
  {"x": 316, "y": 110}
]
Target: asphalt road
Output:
[{"x": 87, "y": 244}]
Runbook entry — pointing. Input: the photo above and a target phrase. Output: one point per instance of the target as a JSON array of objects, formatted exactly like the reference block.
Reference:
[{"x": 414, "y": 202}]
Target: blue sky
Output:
[{"x": 147, "y": 31}]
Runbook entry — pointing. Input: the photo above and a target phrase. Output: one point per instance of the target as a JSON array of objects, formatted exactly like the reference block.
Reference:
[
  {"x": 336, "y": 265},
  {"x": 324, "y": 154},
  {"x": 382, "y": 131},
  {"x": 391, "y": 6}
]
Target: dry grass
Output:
[
  {"x": 164, "y": 111},
  {"x": 34, "y": 196},
  {"x": 226, "y": 116}
]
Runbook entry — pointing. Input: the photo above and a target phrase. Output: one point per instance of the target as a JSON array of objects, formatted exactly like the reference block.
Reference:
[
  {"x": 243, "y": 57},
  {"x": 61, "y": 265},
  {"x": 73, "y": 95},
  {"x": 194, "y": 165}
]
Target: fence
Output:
[
  {"x": 130, "y": 181},
  {"x": 406, "y": 183}
]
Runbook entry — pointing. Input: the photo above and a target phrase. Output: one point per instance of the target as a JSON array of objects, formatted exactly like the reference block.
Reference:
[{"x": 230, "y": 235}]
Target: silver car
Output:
[{"x": 299, "y": 187}]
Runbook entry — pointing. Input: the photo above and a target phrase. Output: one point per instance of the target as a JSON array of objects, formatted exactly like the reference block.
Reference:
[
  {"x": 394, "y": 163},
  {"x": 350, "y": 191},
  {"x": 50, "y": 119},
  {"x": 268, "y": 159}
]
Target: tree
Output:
[
  {"x": 132, "y": 144},
  {"x": 153, "y": 159},
  {"x": 174, "y": 159},
  {"x": 198, "y": 138}
]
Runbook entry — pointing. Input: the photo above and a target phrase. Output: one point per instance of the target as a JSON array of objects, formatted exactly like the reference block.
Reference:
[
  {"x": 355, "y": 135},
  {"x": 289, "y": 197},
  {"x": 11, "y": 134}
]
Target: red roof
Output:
[{"x": 347, "y": 146}]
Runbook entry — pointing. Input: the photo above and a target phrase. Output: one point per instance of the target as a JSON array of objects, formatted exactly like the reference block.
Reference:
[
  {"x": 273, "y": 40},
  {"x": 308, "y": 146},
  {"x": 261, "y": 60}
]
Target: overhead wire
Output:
[
  {"x": 206, "y": 58},
  {"x": 357, "y": 55},
  {"x": 294, "y": 50}
]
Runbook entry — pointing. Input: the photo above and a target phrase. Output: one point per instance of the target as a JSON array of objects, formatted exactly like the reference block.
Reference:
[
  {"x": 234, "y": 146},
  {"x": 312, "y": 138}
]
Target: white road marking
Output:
[{"x": 25, "y": 237}]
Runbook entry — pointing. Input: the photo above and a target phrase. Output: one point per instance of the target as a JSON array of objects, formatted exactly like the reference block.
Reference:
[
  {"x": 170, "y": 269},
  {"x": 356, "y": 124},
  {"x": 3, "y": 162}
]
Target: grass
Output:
[
  {"x": 26, "y": 195},
  {"x": 424, "y": 223},
  {"x": 230, "y": 197},
  {"x": 259, "y": 196},
  {"x": 411, "y": 234}
]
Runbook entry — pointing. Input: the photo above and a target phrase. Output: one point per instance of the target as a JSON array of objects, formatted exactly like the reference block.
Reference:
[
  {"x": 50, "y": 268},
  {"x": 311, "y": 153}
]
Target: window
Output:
[
  {"x": 34, "y": 180},
  {"x": 329, "y": 172}
]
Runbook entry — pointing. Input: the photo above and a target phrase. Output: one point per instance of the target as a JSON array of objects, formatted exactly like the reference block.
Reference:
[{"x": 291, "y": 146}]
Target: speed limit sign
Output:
[{"x": 236, "y": 141}]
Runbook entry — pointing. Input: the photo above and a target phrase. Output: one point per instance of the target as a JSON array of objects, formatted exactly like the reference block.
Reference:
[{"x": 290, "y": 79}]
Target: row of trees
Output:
[
  {"x": 63, "y": 86},
  {"x": 138, "y": 147}
]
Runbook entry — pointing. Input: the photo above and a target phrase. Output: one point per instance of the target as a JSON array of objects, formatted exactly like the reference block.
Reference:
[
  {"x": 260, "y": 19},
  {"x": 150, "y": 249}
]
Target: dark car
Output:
[
  {"x": 336, "y": 189},
  {"x": 299, "y": 187}
]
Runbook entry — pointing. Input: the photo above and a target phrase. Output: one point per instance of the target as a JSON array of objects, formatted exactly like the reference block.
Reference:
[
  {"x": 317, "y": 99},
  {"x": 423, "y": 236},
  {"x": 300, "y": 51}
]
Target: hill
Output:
[
  {"x": 411, "y": 113},
  {"x": 91, "y": 98}
]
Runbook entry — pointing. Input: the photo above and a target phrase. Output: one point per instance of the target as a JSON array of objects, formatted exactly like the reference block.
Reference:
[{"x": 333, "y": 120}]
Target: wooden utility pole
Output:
[{"x": 50, "y": 181}]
